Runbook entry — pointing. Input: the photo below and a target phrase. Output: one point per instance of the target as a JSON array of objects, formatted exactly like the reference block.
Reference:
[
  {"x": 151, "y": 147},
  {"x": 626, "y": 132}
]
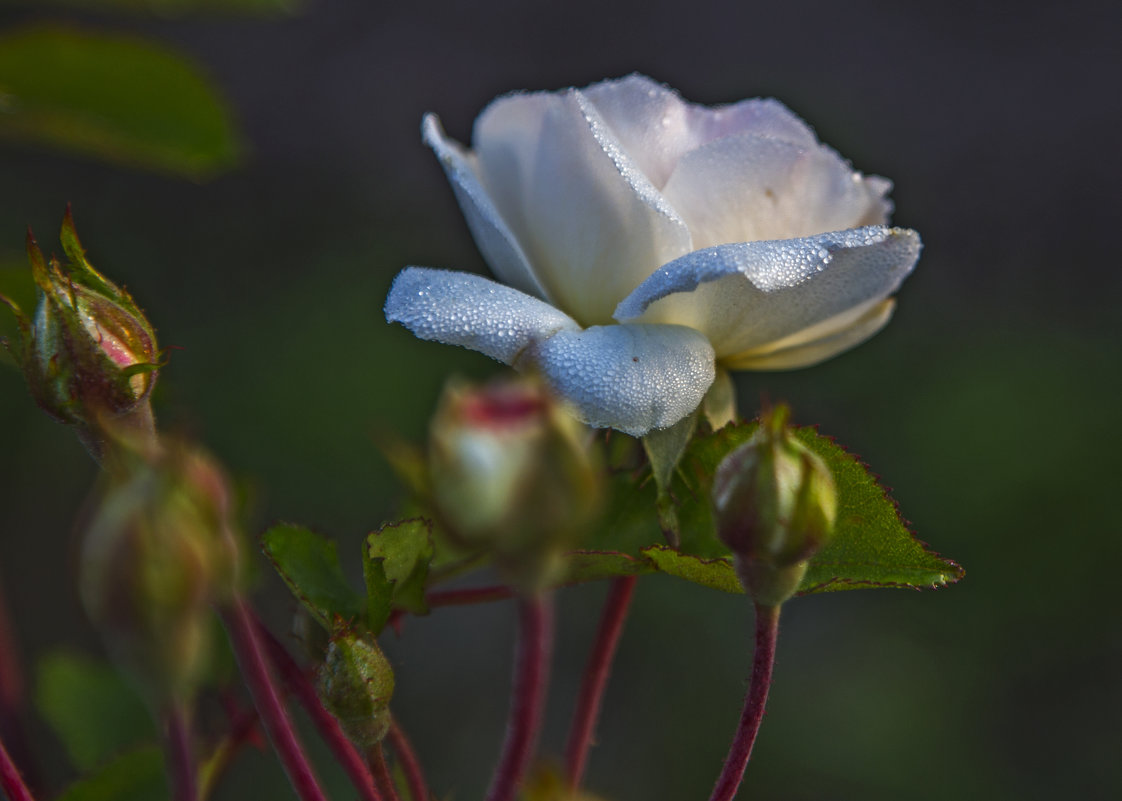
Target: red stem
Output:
[
  {"x": 596, "y": 677},
  {"x": 767, "y": 628},
  {"x": 10, "y": 780},
  {"x": 407, "y": 758},
  {"x": 12, "y": 730},
  {"x": 381, "y": 772},
  {"x": 248, "y": 648},
  {"x": 179, "y": 757},
  {"x": 301, "y": 686},
  {"x": 531, "y": 673}
]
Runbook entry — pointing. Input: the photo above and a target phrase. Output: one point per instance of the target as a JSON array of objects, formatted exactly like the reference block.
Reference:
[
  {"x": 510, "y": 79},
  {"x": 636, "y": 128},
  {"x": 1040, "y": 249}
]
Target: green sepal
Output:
[{"x": 309, "y": 564}]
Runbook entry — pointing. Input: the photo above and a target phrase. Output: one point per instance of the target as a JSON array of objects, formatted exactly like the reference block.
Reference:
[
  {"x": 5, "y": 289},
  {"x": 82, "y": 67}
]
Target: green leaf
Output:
[
  {"x": 716, "y": 573},
  {"x": 113, "y": 97},
  {"x": 871, "y": 546},
  {"x": 309, "y": 565},
  {"x": 396, "y": 566},
  {"x": 90, "y": 707},
  {"x": 135, "y": 776},
  {"x": 597, "y": 565}
]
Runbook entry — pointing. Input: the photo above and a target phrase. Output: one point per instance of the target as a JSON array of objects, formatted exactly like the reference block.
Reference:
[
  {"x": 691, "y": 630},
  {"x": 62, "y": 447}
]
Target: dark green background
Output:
[{"x": 989, "y": 404}]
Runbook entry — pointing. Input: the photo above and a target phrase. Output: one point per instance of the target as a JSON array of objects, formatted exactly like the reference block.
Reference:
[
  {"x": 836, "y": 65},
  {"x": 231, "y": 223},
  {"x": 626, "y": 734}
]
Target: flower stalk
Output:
[
  {"x": 248, "y": 648},
  {"x": 407, "y": 758},
  {"x": 10, "y": 780},
  {"x": 595, "y": 679},
  {"x": 531, "y": 669},
  {"x": 179, "y": 755},
  {"x": 763, "y": 660}
]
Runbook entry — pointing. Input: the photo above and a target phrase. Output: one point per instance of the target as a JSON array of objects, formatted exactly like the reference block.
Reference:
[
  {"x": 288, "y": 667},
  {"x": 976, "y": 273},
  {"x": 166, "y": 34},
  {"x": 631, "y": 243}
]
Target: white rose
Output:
[{"x": 649, "y": 245}]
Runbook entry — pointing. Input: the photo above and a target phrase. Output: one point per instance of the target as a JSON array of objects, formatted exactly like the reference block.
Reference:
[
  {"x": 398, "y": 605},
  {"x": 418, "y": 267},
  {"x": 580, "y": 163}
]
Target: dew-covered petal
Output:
[
  {"x": 656, "y": 127},
  {"x": 633, "y": 378},
  {"x": 748, "y": 295},
  {"x": 471, "y": 311},
  {"x": 591, "y": 223},
  {"x": 493, "y": 236},
  {"x": 831, "y": 337},
  {"x": 749, "y": 187}
]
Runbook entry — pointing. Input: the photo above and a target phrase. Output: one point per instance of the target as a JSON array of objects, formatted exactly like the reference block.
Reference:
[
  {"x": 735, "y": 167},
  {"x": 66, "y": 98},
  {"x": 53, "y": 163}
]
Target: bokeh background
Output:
[{"x": 989, "y": 404}]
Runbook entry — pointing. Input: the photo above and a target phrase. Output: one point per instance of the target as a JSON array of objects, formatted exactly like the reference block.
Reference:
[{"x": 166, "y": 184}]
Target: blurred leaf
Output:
[
  {"x": 90, "y": 707},
  {"x": 135, "y": 776},
  {"x": 395, "y": 562},
  {"x": 309, "y": 565},
  {"x": 113, "y": 97},
  {"x": 596, "y": 565},
  {"x": 173, "y": 7}
]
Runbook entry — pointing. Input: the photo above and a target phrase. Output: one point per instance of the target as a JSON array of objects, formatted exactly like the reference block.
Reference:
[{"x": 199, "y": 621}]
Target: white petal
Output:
[
  {"x": 834, "y": 336},
  {"x": 493, "y": 236},
  {"x": 748, "y": 295},
  {"x": 656, "y": 127},
  {"x": 749, "y": 187},
  {"x": 471, "y": 311},
  {"x": 561, "y": 181},
  {"x": 633, "y": 378}
]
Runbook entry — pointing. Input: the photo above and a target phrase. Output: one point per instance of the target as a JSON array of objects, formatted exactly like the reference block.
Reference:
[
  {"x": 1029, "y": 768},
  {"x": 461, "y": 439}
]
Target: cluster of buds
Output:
[
  {"x": 159, "y": 552},
  {"x": 512, "y": 472},
  {"x": 775, "y": 504},
  {"x": 89, "y": 354}
]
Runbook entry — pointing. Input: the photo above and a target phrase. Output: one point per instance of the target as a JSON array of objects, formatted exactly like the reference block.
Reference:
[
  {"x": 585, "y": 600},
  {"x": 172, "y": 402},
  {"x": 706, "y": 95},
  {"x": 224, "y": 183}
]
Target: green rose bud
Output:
[
  {"x": 89, "y": 354},
  {"x": 512, "y": 473},
  {"x": 158, "y": 553},
  {"x": 774, "y": 505},
  {"x": 355, "y": 683}
]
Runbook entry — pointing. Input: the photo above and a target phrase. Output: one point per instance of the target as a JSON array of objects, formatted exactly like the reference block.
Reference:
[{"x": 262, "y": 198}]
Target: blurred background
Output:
[{"x": 989, "y": 404}]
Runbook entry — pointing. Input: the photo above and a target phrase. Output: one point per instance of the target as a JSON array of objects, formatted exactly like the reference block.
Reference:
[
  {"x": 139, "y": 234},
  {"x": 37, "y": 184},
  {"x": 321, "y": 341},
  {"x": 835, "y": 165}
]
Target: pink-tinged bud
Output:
[
  {"x": 512, "y": 473},
  {"x": 159, "y": 551},
  {"x": 89, "y": 354},
  {"x": 355, "y": 684},
  {"x": 774, "y": 504}
]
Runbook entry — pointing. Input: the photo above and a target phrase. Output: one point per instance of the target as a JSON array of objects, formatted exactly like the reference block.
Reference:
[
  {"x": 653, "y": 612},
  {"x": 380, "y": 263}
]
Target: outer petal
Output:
[
  {"x": 493, "y": 236},
  {"x": 560, "y": 179},
  {"x": 471, "y": 311},
  {"x": 633, "y": 378},
  {"x": 831, "y": 337},
  {"x": 656, "y": 127},
  {"x": 749, "y": 295},
  {"x": 750, "y": 187}
]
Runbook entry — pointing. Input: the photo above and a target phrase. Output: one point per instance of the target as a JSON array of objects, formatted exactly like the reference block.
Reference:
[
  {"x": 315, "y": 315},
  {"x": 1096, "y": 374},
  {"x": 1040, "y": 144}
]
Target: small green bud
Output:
[
  {"x": 512, "y": 472},
  {"x": 774, "y": 505},
  {"x": 159, "y": 551},
  {"x": 355, "y": 683},
  {"x": 89, "y": 354}
]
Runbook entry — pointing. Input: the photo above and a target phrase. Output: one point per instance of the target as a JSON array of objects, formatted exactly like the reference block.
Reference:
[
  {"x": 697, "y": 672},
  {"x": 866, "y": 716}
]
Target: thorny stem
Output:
[
  {"x": 179, "y": 756},
  {"x": 596, "y": 677},
  {"x": 531, "y": 669},
  {"x": 301, "y": 686},
  {"x": 407, "y": 758},
  {"x": 381, "y": 771},
  {"x": 767, "y": 628},
  {"x": 248, "y": 648},
  {"x": 10, "y": 780}
]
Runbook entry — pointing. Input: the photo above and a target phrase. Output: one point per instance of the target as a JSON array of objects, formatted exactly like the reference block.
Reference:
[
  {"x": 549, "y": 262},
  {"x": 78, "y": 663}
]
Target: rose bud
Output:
[
  {"x": 158, "y": 553},
  {"x": 512, "y": 473},
  {"x": 774, "y": 506},
  {"x": 355, "y": 684},
  {"x": 89, "y": 354}
]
